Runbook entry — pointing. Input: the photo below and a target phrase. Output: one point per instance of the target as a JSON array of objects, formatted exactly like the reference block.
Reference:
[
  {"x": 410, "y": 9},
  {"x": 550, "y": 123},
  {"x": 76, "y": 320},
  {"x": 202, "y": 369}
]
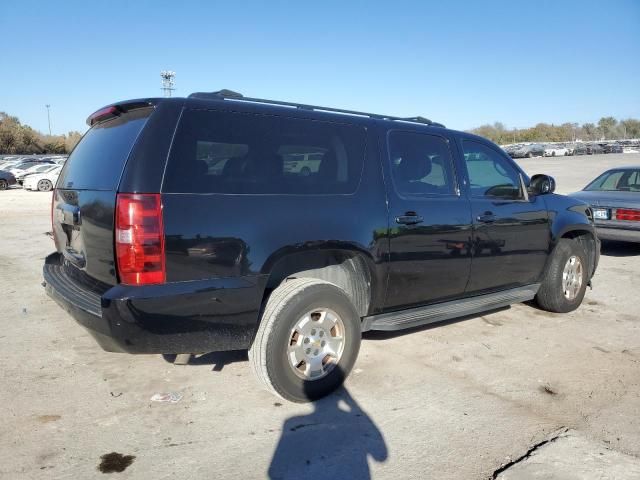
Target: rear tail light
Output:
[
  {"x": 628, "y": 214},
  {"x": 140, "y": 256}
]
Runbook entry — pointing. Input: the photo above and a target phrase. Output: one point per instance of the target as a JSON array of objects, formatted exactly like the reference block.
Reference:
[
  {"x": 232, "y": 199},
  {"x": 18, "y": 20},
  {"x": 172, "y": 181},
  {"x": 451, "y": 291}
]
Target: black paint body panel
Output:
[{"x": 223, "y": 251}]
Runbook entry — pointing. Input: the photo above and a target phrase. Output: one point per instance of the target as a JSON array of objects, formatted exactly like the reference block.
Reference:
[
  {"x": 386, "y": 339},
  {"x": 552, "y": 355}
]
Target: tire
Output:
[
  {"x": 553, "y": 154},
  {"x": 3, "y": 184},
  {"x": 272, "y": 355},
  {"x": 552, "y": 295},
  {"x": 529, "y": 155},
  {"x": 305, "y": 171},
  {"x": 44, "y": 185}
]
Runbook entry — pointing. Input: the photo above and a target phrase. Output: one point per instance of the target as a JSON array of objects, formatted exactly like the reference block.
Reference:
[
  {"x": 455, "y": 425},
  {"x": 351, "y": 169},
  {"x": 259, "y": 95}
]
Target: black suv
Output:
[{"x": 186, "y": 226}]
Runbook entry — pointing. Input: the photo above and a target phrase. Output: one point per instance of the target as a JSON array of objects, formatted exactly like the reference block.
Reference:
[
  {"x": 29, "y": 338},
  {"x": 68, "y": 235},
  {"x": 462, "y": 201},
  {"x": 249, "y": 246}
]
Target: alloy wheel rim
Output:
[
  {"x": 316, "y": 343},
  {"x": 572, "y": 278}
]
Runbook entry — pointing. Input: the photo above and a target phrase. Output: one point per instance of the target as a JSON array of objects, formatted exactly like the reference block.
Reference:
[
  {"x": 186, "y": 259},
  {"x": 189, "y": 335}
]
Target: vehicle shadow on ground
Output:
[
  {"x": 619, "y": 249},
  {"x": 383, "y": 335},
  {"x": 217, "y": 359},
  {"x": 334, "y": 441}
]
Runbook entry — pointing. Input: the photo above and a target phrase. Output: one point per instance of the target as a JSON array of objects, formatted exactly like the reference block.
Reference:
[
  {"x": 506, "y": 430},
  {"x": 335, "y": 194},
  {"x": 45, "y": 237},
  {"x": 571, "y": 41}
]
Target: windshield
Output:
[
  {"x": 627, "y": 180},
  {"x": 40, "y": 168}
]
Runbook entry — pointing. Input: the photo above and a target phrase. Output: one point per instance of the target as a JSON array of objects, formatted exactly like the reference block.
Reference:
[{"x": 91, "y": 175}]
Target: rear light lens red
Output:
[
  {"x": 140, "y": 255},
  {"x": 628, "y": 214},
  {"x": 102, "y": 114}
]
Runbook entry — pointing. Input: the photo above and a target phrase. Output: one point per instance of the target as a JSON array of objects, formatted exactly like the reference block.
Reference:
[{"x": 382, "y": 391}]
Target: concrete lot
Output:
[{"x": 518, "y": 393}]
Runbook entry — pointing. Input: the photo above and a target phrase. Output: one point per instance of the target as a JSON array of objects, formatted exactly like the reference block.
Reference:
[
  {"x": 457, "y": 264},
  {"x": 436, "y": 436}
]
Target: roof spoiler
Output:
[{"x": 115, "y": 110}]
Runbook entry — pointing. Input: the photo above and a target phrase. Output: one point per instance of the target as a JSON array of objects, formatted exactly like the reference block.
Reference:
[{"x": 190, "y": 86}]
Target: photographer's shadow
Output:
[{"x": 334, "y": 441}]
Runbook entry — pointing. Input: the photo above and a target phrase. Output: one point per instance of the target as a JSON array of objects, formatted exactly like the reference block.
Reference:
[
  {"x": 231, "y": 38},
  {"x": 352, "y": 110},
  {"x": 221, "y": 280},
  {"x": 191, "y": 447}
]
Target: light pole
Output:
[
  {"x": 168, "y": 82},
  {"x": 48, "y": 118}
]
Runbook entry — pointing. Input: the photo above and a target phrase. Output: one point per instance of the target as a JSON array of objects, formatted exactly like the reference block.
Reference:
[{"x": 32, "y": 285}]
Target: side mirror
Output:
[{"x": 542, "y": 184}]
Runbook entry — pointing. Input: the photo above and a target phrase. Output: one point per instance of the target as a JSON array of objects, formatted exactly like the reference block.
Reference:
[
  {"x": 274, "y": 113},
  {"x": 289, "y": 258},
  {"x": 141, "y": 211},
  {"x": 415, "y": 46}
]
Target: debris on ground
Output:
[{"x": 169, "y": 397}]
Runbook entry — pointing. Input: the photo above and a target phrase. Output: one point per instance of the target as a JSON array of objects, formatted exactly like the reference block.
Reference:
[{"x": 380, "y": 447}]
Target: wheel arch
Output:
[
  {"x": 351, "y": 270},
  {"x": 586, "y": 236}
]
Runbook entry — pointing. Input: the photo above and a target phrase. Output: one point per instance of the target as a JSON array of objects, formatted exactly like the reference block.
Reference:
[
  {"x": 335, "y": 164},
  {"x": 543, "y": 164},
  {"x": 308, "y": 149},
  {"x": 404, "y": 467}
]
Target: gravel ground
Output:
[{"x": 518, "y": 393}]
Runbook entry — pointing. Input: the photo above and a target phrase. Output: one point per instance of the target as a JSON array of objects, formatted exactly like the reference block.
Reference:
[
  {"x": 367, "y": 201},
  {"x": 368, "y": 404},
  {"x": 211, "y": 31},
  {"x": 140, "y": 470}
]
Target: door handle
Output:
[
  {"x": 487, "y": 217},
  {"x": 409, "y": 219}
]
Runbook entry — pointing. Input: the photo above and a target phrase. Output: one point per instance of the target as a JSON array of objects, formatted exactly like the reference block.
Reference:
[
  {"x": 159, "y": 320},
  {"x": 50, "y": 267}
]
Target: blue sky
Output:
[{"x": 463, "y": 63}]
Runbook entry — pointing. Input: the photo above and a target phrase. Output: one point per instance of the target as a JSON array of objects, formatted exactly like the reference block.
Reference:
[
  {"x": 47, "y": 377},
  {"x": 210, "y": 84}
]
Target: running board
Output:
[{"x": 446, "y": 311}]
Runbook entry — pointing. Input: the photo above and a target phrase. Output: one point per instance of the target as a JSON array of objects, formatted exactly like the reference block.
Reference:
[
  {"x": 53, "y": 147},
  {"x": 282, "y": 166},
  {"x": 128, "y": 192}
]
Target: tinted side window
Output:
[
  {"x": 421, "y": 164},
  {"x": 226, "y": 152},
  {"x": 490, "y": 174}
]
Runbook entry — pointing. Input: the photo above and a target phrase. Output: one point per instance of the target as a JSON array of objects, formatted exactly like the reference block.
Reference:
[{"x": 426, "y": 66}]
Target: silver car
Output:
[{"x": 615, "y": 200}]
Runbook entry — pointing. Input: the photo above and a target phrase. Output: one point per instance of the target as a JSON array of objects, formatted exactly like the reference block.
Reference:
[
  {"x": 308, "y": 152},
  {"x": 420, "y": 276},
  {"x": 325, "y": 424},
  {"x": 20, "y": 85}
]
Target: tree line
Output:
[
  {"x": 22, "y": 139},
  {"x": 607, "y": 128}
]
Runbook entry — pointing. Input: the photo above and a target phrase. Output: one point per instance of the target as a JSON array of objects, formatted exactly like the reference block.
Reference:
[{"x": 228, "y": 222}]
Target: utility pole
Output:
[{"x": 48, "y": 118}]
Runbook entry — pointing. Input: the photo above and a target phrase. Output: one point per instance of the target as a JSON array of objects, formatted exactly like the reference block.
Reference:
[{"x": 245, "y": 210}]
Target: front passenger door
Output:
[{"x": 511, "y": 234}]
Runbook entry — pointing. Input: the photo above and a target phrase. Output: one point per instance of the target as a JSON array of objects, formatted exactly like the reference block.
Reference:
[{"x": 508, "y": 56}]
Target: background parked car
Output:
[
  {"x": 613, "y": 148},
  {"x": 43, "y": 182},
  {"x": 7, "y": 164},
  {"x": 533, "y": 150},
  {"x": 615, "y": 201},
  {"x": 6, "y": 179},
  {"x": 594, "y": 149},
  {"x": 577, "y": 149},
  {"x": 20, "y": 168},
  {"x": 555, "y": 151},
  {"x": 44, "y": 168}
]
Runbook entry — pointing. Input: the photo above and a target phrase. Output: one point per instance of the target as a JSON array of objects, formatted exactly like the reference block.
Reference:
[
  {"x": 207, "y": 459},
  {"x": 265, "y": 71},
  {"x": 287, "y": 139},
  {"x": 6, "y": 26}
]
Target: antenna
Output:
[{"x": 168, "y": 82}]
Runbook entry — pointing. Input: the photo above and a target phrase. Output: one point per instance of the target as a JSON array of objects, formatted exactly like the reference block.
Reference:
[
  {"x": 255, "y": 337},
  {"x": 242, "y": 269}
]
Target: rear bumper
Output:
[
  {"x": 618, "y": 234},
  {"x": 182, "y": 317}
]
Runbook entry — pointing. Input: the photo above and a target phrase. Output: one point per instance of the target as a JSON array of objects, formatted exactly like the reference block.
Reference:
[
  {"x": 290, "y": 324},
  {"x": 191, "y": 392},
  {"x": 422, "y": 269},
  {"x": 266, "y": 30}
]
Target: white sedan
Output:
[
  {"x": 555, "y": 151},
  {"x": 43, "y": 182},
  {"x": 40, "y": 168}
]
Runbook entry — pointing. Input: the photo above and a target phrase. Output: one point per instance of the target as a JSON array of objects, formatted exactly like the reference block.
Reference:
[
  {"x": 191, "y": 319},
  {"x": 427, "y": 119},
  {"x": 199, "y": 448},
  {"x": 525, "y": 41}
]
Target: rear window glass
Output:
[
  {"x": 617, "y": 180},
  {"x": 225, "y": 152},
  {"x": 98, "y": 160}
]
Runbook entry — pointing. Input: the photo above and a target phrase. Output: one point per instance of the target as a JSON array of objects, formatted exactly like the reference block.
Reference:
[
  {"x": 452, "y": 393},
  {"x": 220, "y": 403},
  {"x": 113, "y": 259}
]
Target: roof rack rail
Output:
[{"x": 225, "y": 94}]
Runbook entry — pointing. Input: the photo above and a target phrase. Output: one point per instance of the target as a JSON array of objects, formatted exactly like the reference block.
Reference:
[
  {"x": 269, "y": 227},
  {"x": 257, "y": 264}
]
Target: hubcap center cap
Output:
[{"x": 316, "y": 344}]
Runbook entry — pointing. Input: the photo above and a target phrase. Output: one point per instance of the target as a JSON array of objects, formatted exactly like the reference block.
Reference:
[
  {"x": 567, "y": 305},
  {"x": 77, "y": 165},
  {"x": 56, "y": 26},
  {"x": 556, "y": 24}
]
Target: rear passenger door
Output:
[
  {"x": 429, "y": 224},
  {"x": 510, "y": 230}
]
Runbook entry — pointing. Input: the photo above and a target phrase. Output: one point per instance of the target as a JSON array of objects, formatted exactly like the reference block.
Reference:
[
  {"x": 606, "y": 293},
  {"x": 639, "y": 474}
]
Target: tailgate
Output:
[{"x": 85, "y": 196}]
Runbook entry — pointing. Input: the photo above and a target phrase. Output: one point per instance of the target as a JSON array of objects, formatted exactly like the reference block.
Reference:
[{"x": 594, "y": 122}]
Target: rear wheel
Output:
[
  {"x": 529, "y": 155},
  {"x": 565, "y": 280},
  {"x": 308, "y": 340},
  {"x": 3, "y": 184},
  {"x": 45, "y": 185}
]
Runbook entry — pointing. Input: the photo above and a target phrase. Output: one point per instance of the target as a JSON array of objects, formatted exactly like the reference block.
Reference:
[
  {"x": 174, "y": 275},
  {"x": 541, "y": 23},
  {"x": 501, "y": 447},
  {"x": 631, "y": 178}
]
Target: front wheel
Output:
[
  {"x": 3, "y": 184},
  {"x": 45, "y": 185},
  {"x": 307, "y": 341},
  {"x": 565, "y": 280}
]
